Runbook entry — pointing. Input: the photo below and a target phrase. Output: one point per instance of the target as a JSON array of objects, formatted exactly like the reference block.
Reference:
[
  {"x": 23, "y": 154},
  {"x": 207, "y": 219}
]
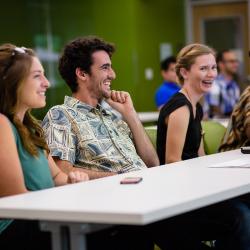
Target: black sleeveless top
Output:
[{"x": 194, "y": 132}]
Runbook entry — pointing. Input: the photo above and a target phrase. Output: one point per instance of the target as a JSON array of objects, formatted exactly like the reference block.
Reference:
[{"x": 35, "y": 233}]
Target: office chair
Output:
[{"x": 213, "y": 136}]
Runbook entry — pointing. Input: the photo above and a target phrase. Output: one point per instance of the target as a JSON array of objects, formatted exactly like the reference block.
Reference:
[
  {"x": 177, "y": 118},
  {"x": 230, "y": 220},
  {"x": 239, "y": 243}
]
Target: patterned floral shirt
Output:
[{"x": 90, "y": 138}]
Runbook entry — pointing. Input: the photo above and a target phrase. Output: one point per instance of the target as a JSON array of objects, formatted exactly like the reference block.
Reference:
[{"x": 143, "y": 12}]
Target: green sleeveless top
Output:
[{"x": 36, "y": 170}]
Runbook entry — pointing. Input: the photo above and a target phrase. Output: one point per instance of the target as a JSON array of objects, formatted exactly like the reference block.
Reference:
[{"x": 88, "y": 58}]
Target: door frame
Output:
[{"x": 189, "y": 18}]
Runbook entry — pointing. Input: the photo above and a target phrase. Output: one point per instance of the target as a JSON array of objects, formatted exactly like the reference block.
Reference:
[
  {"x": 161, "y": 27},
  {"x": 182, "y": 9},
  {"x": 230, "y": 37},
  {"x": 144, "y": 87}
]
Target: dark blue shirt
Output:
[{"x": 165, "y": 92}]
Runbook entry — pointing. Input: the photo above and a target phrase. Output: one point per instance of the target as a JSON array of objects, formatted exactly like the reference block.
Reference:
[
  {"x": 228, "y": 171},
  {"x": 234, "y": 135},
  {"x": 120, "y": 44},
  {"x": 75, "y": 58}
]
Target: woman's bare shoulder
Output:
[
  {"x": 4, "y": 122},
  {"x": 3, "y": 118}
]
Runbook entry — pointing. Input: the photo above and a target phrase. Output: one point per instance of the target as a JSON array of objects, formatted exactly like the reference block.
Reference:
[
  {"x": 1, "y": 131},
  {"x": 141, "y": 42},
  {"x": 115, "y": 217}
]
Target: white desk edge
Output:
[{"x": 164, "y": 192}]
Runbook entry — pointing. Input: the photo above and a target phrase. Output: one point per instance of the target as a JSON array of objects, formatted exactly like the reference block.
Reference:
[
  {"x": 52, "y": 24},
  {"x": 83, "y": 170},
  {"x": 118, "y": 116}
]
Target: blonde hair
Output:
[
  {"x": 186, "y": 57},
  {"x": 240, "y": 119}
]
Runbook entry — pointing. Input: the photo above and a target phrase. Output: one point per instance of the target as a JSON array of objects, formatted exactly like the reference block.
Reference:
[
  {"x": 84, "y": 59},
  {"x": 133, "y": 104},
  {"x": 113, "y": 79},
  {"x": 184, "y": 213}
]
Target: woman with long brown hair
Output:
[{"x": 25, "y": 162}]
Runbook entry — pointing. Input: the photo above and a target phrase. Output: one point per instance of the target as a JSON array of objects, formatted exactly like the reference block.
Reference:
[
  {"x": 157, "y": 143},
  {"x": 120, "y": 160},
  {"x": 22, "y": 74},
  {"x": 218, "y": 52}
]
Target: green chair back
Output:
[
  {"x": 152, "y": 132},
  {"x": 214, "y": 133}
]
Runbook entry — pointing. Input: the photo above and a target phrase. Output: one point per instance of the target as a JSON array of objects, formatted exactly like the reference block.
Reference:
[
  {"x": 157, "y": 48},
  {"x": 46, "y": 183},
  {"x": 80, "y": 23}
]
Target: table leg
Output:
[{"x": 69, "y": 235}]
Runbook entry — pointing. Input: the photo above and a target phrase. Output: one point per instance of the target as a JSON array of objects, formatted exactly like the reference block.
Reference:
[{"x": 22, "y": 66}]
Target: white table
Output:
[
  {"x": 222, "y": 121},
  {"x": 164, "y": 192},
  {"x": 148, "y": 116}
]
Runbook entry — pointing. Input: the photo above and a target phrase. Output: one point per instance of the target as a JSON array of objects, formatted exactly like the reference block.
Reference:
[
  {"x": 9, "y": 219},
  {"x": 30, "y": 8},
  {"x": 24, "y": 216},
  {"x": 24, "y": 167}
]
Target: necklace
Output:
[
  {"x": 187, "y": 95},
  {"x": 190, "y": 100}
]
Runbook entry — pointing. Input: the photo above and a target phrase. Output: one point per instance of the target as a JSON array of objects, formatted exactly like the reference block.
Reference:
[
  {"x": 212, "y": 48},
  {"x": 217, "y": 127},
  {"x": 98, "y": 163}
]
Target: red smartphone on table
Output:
[{"x": 131, "y": 180}]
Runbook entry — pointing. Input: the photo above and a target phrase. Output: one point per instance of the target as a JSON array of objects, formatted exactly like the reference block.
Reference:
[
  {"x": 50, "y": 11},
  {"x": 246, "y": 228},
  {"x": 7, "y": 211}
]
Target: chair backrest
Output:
[
  {"x": 152, "y": 132},
  {"x": 213, "y": 136}
]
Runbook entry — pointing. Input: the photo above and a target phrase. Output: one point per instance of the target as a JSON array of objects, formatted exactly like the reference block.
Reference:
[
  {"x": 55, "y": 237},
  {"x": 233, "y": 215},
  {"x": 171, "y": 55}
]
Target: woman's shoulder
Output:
[
  {"x": 177, "y": 101},
  {"x": 3, "y": 117},
  {"x": 6, "y": 124},
  {"x": 6, "y": 127},
  {"x": 4, "y": 121}
]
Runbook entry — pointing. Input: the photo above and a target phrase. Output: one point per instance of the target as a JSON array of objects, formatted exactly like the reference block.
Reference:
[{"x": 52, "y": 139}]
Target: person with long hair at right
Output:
[
  {"x": 238, "y": 132},
  {"x": 180, "y": 137}
]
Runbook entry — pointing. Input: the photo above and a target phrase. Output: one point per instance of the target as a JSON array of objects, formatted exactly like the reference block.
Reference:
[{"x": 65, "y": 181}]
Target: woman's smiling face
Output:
[
  {"x": 33, "y": 88},
  {"x": 202, "y": 73}
]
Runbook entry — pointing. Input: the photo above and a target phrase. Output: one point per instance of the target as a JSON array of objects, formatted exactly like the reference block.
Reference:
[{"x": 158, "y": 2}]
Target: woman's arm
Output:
[
  {"x": 201, "y": 150},
  {"x": 60, "y": 178},
  {"x": 177, "y": 124},
  {"x": 11, "y": 174}
]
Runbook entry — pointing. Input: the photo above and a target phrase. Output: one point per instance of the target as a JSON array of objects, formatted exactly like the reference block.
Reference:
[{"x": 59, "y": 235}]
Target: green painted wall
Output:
[
  {"x": 14, "y": 23},
  {"x": 137, "y": 27},
  {"x": 157, "y": 21},
  {"x": 115, "y": 22}
]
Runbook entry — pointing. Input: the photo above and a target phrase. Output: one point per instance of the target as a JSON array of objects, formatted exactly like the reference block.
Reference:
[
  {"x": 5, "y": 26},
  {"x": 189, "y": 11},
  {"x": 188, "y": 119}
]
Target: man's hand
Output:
[
  {"x": 122, "y": 102},
  {"x": 77, "y": 176}
]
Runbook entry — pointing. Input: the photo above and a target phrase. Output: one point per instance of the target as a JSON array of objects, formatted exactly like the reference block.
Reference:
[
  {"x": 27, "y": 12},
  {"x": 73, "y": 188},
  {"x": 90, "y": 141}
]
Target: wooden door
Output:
[{"x": 223, "y": 26}]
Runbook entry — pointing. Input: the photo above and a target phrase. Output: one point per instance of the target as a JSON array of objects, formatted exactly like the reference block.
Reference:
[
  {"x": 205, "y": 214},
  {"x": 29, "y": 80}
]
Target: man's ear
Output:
[
  {"x": 163, "y": 73},
  {"x": 80, "y": 74}
]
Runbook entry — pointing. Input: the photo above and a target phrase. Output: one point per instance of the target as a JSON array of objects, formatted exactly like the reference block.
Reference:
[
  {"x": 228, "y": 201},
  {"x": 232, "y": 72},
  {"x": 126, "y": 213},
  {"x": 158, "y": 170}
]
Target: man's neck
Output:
[
  {"x": 168, "y": 81},
  {"x": 228, "y": 77},
  {"x": 85, "y": 98}
]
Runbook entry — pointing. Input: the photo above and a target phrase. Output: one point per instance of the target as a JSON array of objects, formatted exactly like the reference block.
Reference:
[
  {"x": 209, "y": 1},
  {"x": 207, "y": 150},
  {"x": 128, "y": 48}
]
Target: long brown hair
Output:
[
  {"x": 15, "y": 64},
  {"x": 240, "y": 119}
]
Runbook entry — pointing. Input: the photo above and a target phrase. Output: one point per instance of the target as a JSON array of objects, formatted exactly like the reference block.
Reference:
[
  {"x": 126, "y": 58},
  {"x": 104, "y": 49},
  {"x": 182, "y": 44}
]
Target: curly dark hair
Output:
[
  {"x": 240, "y": 120},
  {"x": 78, "y": 54},
  {"x": 165, "y": 64}
]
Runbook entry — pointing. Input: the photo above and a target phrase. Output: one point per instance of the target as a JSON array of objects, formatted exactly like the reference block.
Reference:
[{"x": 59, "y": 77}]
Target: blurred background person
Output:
[
  {"x": 225, "y": 91},
  {"x": 169, "y": 86}
]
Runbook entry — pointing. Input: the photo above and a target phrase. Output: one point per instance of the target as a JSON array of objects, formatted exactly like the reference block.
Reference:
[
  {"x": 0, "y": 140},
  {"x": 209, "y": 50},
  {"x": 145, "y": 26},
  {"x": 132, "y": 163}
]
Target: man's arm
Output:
[
  {"x": 143, "y": 145},
  {"x": 68, "y": 167},
  {"x": 55, "y": 129},
  {"x": 122, "y": 102},
  {"x": 61, "y": 178}
]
